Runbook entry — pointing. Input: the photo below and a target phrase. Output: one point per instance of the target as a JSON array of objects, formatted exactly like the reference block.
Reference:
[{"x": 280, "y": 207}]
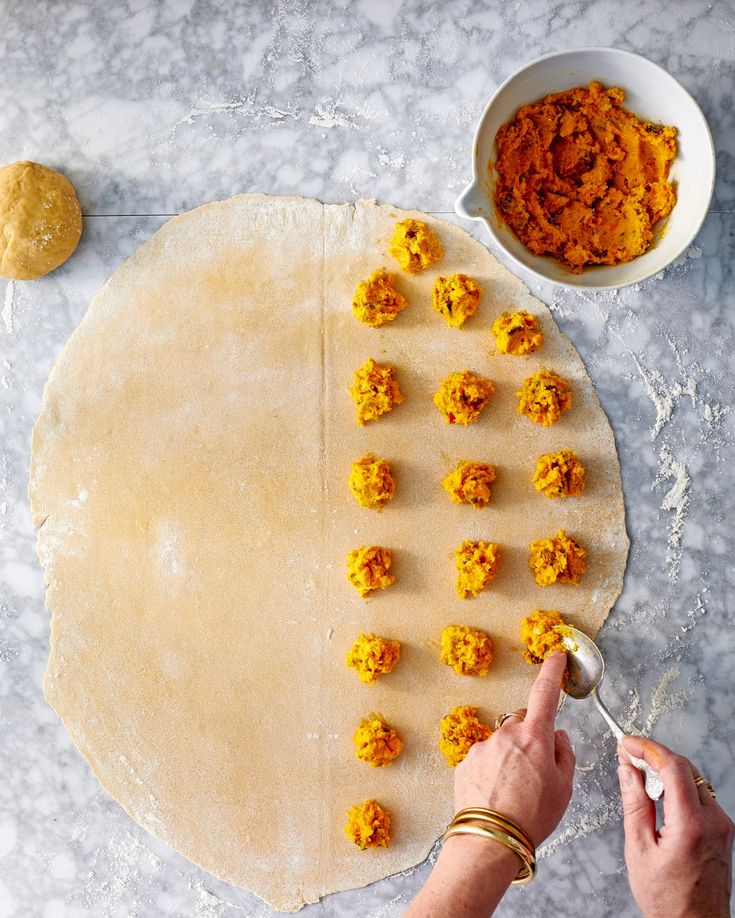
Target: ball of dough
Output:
[{"x": 40, "y": 220}]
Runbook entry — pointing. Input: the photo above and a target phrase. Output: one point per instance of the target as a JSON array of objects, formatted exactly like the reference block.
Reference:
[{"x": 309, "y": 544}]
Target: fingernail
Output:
[{"x": 565, "y": 736}]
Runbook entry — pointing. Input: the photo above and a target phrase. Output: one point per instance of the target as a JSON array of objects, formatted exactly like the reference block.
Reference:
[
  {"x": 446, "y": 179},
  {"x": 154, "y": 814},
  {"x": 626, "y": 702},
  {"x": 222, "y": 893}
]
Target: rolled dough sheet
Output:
[{"x": 189, "y": 478}]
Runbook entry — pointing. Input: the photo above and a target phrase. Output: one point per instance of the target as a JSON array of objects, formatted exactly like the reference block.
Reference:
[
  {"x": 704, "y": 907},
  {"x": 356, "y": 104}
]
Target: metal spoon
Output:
[{"x": 586, "y": 669}]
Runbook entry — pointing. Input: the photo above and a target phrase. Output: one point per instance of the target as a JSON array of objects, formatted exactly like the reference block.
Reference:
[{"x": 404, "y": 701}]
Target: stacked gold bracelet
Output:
[{"x": 489, "y": 824}]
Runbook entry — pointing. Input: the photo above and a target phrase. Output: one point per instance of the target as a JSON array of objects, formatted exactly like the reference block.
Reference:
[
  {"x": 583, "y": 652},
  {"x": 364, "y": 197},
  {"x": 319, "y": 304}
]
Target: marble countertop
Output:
[{"x": 153, "y": 108}]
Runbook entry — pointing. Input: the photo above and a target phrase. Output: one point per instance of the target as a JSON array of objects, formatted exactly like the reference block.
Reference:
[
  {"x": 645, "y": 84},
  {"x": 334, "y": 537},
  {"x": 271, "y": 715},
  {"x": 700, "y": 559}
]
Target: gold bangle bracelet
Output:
[
  {"x": 492, "y": 816},
  {"x": 527, "y": 871}
]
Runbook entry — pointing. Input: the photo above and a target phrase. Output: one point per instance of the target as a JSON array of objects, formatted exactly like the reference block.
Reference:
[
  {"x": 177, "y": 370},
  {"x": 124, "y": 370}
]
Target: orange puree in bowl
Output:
[{"x": 583, "y": 180}]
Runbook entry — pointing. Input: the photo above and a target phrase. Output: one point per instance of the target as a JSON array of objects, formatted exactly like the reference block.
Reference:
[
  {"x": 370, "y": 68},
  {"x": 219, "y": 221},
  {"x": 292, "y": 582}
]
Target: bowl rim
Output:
[{"x": 475, "y": 182}]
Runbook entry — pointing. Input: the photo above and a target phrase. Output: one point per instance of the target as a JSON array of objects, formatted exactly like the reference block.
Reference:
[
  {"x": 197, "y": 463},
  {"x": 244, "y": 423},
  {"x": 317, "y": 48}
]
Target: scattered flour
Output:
[
  {"x": 8, "y": 307},
  {"x": 560, "y": 309},
  {"x": 116, "y": 871},
  {"x": 676, "y": 499},
  {"x": 661, "y": 699},
  {"x": 693, "y": 615},
  {"x": 327, "y": 115},
  {"x": 208, "y": 905},
  {"x": 599, "y": 816},
  {"x": 394, "y": 162},
  {"x": 659, "y": 393},
  {"x": 245, "y": 107}
]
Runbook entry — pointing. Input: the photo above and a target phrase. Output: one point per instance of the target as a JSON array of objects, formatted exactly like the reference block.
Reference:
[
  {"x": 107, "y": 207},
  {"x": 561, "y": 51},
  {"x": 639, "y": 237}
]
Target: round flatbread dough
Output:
[
  {"x": 190, "y": 477},
  {"x": 40, "y": 220}
]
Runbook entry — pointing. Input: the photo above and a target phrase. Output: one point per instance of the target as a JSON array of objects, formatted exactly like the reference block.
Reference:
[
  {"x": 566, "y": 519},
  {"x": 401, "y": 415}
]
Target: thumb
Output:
[{"x": 639, "y": 812}]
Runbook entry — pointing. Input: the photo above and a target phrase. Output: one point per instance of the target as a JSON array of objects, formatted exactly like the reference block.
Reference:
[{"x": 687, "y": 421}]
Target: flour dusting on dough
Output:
[{"x": 167, "y": 549}]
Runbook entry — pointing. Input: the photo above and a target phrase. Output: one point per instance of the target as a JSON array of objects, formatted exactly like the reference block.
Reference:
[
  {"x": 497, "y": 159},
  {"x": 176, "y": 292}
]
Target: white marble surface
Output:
[{"x": 151, "y": 108}]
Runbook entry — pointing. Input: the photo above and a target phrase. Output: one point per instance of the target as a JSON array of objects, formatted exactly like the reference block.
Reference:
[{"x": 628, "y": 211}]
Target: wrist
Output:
[{"x": 480, "y": 856}]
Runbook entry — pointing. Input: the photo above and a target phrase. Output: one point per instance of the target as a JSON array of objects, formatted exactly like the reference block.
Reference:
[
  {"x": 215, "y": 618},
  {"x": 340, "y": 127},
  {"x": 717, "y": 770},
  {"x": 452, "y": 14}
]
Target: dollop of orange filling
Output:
[
  {"x": 462, "y": 396},
  {"x": 376, "y": 743},
  {"x": 470, "y": 484},
  {"x": 376, "y": 301},
  {"x": 367, "y": 568},
  {"x": 477, "y": 563},
  {"x": 559, "y": 559},
  {"x": 460, "y": 730},
  {"x": 517, "y": 333},
  {"x": 415, "y": 245},
  {"x": 456, "y": 298},
  {"x": 559, "y": 474},
  {"x": 582, "y": 179},
  {"x": 544, "y": 397},
  {"x": 368, "y": 825},
  {"x": 373, "y": 656},
  {"x": 542, "y": 632},
  {"x": 371, "y": 482},
  {"x": 375, "y": 391},
  {"x": 467, "y": 650}
]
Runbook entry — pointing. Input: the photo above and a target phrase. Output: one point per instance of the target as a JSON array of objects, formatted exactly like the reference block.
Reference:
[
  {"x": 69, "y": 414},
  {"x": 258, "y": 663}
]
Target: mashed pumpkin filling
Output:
[
  {"x": 373, "y": 656},
  {"x": 415, "y": 246},
  {"x": 376, "y": 743},
  {"x": 544, "y": 397},
  {"x": 517, "y": 333},
  {"x": 375, "y": 391},
  {"x": 462, "y": 396},
  {"x": 367, "y": 568},
  {"x": 582, "y": 179},
  {"x": 376, "y": 301},
  {"x": 477, "y": 564},
  {"x": 559, "y": 559},
  {"x": 559, "y": 474},
  {"x": 368, "y": 825},
  {"x": 371, "y": 482},
  {"x": 460, "y": 730},
  {"x": 456, "y": 298},
  {"x": 470, "y": 484},
  {"x": 468, "y": 651},
  {"x": 542, "y": 632}
]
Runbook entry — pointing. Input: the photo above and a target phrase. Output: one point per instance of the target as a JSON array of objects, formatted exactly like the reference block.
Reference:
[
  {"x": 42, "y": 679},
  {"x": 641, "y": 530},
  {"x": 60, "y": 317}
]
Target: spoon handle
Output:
[{"x": 654, "y": 784}]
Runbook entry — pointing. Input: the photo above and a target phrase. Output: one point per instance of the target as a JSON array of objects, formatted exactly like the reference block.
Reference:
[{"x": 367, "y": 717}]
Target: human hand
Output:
[
  {"x": 525, "y": 770},
  {"x": 684, "y": 869}
]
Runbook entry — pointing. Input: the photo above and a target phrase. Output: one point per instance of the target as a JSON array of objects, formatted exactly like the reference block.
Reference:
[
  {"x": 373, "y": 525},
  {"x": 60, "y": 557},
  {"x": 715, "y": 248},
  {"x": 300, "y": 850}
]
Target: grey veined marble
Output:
[{"x": 152, "y": 108}]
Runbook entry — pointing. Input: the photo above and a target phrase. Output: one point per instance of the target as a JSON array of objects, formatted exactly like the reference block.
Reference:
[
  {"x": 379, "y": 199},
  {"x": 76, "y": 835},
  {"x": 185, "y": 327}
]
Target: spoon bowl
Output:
[{"x": 585, "y": 664}]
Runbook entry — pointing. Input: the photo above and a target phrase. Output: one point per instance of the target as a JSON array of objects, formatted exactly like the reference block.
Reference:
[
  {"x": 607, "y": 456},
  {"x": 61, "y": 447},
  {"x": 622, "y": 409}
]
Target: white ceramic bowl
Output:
[{"x": 651, "y": 93}]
